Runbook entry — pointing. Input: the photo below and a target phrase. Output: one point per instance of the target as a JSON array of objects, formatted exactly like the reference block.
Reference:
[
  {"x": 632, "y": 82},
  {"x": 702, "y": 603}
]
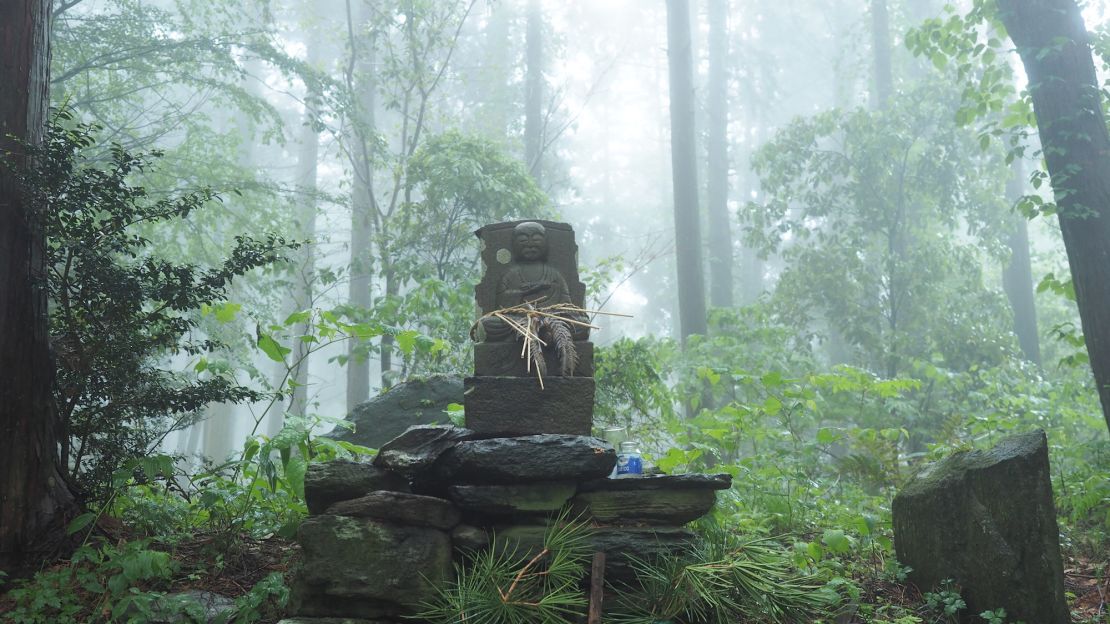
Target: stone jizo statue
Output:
[{"x": 529, "y": 280}]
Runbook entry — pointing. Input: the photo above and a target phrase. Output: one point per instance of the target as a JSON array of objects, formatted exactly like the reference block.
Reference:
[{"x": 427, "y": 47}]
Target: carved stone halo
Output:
[{"x": 504, "y": 256}]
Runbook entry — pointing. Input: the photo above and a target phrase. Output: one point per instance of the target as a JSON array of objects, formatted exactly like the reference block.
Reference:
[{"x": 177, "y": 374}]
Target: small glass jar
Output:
[{"x": 630, "y": 461}]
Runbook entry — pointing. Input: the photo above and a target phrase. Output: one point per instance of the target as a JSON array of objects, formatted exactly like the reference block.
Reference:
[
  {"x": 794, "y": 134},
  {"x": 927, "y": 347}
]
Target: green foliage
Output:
[
  {"x": 946, "y": 603},
  {"x": 118, "y": 310},
  {"x": 507, "y": 585},
  {"x": 723, "y": 579}
]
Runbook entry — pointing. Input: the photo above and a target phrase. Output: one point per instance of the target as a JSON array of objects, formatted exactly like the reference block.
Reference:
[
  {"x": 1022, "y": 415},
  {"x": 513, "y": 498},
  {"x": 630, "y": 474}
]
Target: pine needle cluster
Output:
[
  {"x": 508, "y": 584},
  {"x": 722, "y": 579}
]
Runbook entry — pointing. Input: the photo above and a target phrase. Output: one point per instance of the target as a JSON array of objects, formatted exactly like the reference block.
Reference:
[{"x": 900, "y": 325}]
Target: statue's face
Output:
[{"x": 530, "y": 242}]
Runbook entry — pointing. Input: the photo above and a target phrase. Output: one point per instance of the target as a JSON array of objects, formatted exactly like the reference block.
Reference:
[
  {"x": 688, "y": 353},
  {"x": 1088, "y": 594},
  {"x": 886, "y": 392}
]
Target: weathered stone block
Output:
[
  {"x": 663, "y": 506},
  {"x": 334, "y": 481},
  {"x": 412, "y": 453},
  {"x": 511, "y": 406},
  {"x": 400, "y": 508},
  {"x": 362, "y": 566},
  {"x": 467, "y": 538},
  {"x": 512, "y": 500},
  {"x": 330, "y": 620},
  {"x": 692, "y": 481},
  {"x": 502, "y": 359},
  {"x": 526, "y": 459},
  {"x": 986, "y": 520}
]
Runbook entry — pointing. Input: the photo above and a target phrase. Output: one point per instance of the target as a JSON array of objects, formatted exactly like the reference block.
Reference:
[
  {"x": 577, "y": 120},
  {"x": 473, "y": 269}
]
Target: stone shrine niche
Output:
[{"x": 497, "y": 256}]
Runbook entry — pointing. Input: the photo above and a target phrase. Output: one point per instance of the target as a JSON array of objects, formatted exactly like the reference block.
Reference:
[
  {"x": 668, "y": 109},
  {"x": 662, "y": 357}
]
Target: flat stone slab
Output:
[
  {"x": 661, "y": 506},
  {"x": 526, "y": 459},
  {"x": 330, "y": 620},
  {"x": 400, "y": 508},
  {"x": 512, "y": 406},
  {"x": 366, "y": 567},
  {"x": 721, "y": 481},
  {"x": 330, "y": 482},
  {"x": 511, "y": 500},
  {"x": 986, "y": 520},
  {"x": 412, "y": 453},
  {"x": 502, "y": 359}
]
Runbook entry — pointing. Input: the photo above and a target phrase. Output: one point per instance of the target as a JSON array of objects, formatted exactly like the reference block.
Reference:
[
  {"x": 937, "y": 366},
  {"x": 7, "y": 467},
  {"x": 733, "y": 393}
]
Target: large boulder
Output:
[
  {"x": 366, "y": 567},
  {"x": 986, "y": 520},
  {"x": 330, "y": 482},
  {"x": 388, "y": 415},
  {"x": 526, "y": 459}
]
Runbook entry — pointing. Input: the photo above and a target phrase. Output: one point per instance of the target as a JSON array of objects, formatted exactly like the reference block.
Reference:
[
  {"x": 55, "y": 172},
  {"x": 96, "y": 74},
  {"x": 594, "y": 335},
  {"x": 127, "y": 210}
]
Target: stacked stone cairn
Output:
[{"x": 381, "y": 536}]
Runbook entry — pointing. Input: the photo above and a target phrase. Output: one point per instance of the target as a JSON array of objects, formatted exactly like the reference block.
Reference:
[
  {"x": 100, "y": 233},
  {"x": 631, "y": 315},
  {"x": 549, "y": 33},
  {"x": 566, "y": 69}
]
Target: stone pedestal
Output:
[{"x": 515, "y": 406}]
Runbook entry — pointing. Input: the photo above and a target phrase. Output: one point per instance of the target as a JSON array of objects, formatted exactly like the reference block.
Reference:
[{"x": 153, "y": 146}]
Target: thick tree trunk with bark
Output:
[
  {"x": 533, "y": 92},
  {"x": 1055, "y": 48},
  {"x": 684, "y": 172},
  {"x": 1017, "y": 275},
  {"x": 34, "y": 499},
  {"x": 720, "y": 234}
]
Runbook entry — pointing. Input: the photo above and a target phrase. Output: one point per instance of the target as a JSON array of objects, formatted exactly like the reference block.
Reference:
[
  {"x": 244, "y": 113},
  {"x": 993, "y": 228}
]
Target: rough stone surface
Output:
[
  {"x": 370, "y": 568},
  {"x": 334, "y": 481},
  {"x": 986, "y": 520},
  {"x": 412, "y": 453},
  {"x": 466, "y": 537},
  {"x": 512, "y": 500},
  {"x": 525, "y": 459},
  {"x": 619, "y": 543},
  {"x": 508, "y": 406},
  {"x": 330, "y": 620},
  {"x": 720, "y": 481},
  {"x": 400, "y": 508},
  {"x": 502, "y": 359},
  {"x": 189, "y": 607},
  {"x": 663, "y": 506},
  {"x": 388, "y": 415}
]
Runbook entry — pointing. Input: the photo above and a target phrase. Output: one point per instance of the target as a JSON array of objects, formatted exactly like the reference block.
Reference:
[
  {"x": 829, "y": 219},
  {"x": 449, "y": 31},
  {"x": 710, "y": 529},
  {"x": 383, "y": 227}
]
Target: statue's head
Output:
[{"x": 529, "y": 242}]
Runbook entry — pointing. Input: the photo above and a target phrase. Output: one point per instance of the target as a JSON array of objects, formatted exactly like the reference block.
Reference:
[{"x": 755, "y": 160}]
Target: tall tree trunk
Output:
[
  {"x": 1054, "y": 46},
  {"x": 499, "y": 71},
  {"x": 304, "y": 269},
  {"x": 534, "y": 92},
  {"x": 684, "y": 171},
  {"x": 880, "y": 50},
  {"x": 1017, "y": 275},
  {"x": 362, "y": 128},
  {"x": 34, "y": 497},
  {"x": 720, "y": 235}
]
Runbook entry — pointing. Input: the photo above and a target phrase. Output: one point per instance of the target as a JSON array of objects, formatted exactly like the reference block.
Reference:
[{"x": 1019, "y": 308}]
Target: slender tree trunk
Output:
[
  {"x": 720, "y": 234},
  {"x": 684, "y": 171},
  {"x": 362, "y": 207},
  {"x": 1017, "y": 276},
  {"x": 880, "y": 50},
  {"x": 34, "y": 497},
  {"x": 1055, "y": 48},
  {"x": 534, "y": 92},
  {"x": 499, "y": 72},
  {"x": 304, "y": 269},
  {"x": 219, "y": 432}
]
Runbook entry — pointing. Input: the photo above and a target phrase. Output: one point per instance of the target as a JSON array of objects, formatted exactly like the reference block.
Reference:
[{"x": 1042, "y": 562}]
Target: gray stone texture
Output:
[
  {"x": 330, "y": 482},
  {"x": 388, "y": 415},
  {"x": 662, "y": 506},
  {"x": 512, "y": 406},
  {"x": 359, "y": 566},
  {"x": 526, "y": 459},
  {"x": 412, "y": 453},
  {"x": 330, "y": 620},
  {"x": 512, "y": 500},
  {"x": 986, "y": 520},
  {"x": 502, "y": 359},
  {"x": 400, "y": 508},
  {"x": 720, "y": 481},
  {"x": 466, "y": 537}
]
